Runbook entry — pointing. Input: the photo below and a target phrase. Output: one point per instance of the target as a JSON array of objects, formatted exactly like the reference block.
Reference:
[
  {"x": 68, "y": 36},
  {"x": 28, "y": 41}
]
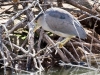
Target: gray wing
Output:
[
  {"x": 64, "y": 22},
  {"x": 57, "y": 24}
]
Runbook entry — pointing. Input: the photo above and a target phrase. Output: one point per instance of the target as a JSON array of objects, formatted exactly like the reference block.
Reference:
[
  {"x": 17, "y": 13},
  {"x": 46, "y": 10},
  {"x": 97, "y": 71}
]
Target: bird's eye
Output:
[{"x": 62, "y": 17}]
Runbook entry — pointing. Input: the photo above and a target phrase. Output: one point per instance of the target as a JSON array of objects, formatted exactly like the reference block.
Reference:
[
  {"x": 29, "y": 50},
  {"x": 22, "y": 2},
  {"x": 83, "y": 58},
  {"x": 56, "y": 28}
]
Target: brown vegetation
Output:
[{"x": 21, "y": 48}]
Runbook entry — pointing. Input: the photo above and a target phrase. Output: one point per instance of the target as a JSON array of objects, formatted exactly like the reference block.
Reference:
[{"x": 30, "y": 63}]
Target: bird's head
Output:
[
  {"x": 37, "y": 25},
  {"x": 38, "y": 16}
]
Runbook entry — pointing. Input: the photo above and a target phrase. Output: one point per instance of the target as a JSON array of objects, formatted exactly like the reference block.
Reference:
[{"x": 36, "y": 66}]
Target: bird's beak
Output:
[{"x": 36, "y": 27}]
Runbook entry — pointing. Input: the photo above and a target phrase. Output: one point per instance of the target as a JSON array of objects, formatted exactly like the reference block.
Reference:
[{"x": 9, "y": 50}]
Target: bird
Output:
[{"x": 61, "y": 23}]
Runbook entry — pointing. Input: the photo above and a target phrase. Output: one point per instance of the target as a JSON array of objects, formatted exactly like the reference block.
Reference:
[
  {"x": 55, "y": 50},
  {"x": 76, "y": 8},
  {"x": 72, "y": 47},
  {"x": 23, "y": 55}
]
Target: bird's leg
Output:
[{"x": 60, "y": 44}]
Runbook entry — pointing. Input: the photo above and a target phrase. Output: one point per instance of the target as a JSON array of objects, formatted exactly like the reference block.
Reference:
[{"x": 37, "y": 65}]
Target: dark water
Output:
[{"x": 57, "y": 71}]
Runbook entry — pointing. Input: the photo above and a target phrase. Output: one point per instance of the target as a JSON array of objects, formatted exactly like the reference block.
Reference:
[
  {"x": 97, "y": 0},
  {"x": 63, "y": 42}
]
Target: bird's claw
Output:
[{"x": 59, "y": 45}]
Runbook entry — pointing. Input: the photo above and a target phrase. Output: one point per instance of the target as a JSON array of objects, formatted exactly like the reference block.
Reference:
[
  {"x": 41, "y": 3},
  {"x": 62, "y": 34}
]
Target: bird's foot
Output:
[
  {"x": 59, "y": 44},
  {"x": 64, "y": 41}
]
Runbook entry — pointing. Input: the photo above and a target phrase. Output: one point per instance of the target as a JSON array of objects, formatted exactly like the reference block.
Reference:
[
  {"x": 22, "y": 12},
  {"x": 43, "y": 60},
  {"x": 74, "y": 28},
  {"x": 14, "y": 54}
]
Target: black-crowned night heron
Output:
[{"x": 62, "y": 23}]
